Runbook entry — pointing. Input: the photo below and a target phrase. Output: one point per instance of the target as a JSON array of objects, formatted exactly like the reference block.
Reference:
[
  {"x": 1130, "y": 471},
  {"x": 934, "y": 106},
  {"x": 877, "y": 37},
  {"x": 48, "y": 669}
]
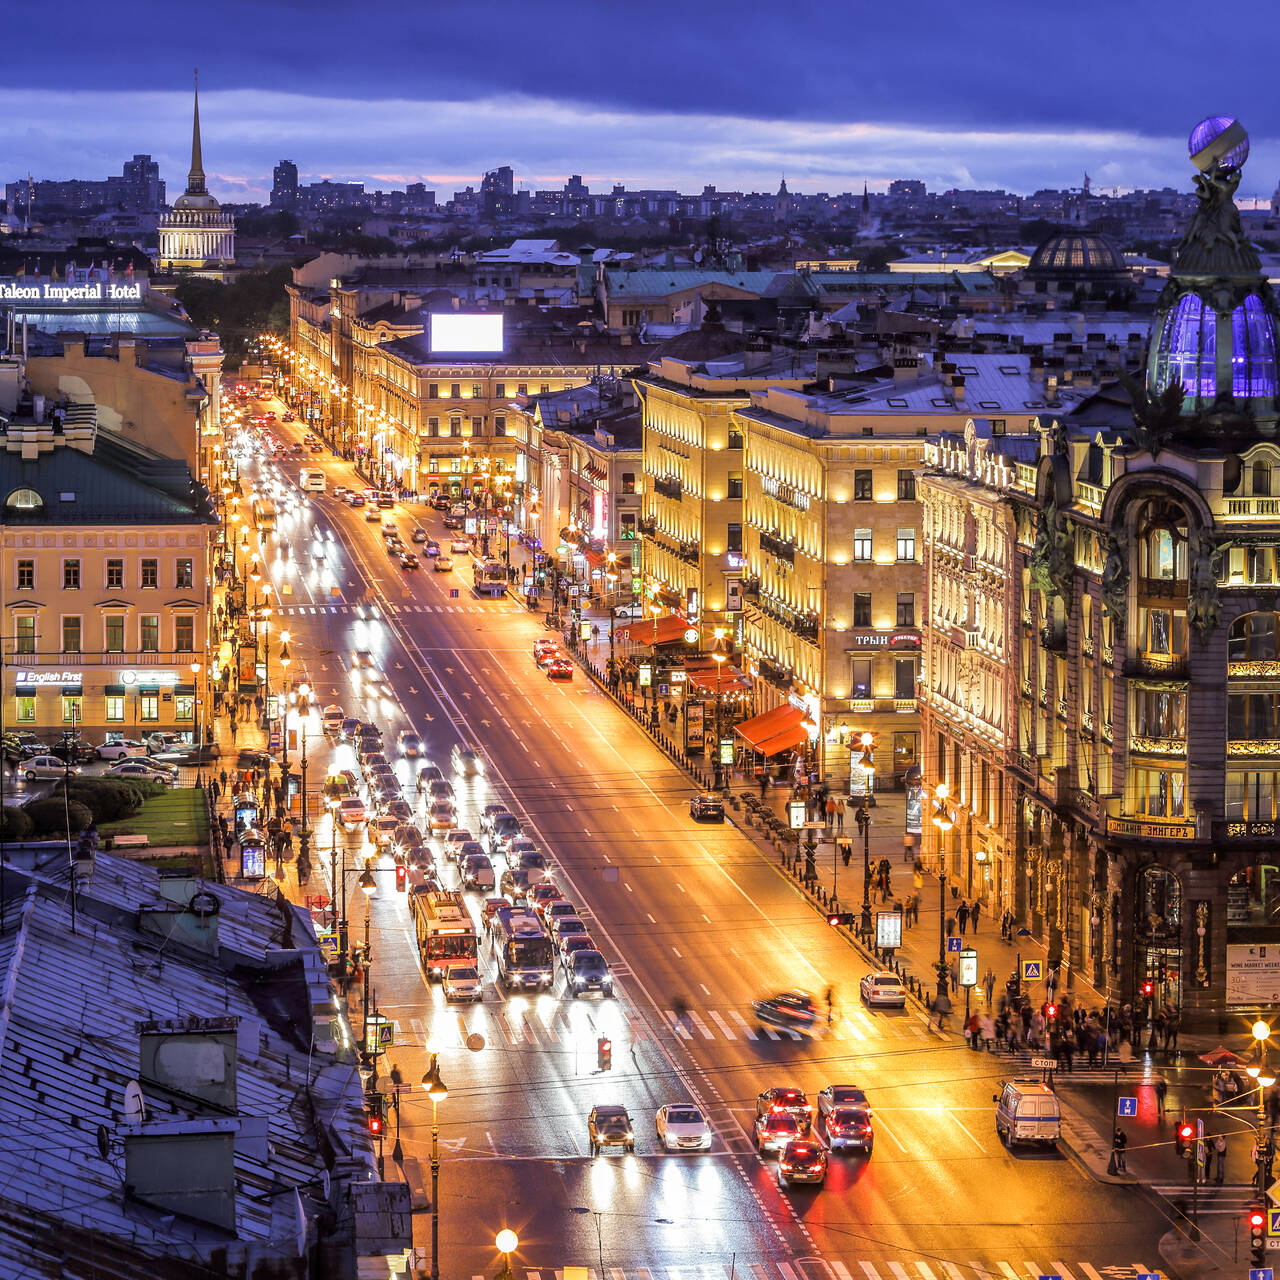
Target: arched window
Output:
[
  {"x": 1261, "y": 479},
  {"x": 1158, "y": 906},
  {"x": 1253, "y": 638},
  {"x": 1253, "y": 350},
  {"x": 1188, "y": 348},
  {"x": 1163, "y": 544},
  {"x": 23, "y": 504}
]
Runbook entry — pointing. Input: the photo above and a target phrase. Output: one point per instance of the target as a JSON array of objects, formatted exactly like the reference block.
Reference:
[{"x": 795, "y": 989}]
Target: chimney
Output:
[
  {"x": 192, "y": 1056},
  {"x": 1051, "y": 389},
  {"x": 905, "y": 368},
  {"x": 957, "y": 388}
]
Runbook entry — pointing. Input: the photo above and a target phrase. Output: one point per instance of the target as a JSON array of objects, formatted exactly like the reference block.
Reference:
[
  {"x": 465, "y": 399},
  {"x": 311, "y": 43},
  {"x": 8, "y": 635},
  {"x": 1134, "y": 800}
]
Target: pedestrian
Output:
[
  {"x": 1162, "y": 1093},
  {"x": 222, "y": 777},
  {"x": 940, "y": 1007},
  {"x": 840, "y": 814},
  {"x": 962, "y": 915},
  {"x": 764, "y": 783},
  {"x": 1220, "y": 1150},
  {"x": 974, "y": 912},
  {"x": 232, "y": 730},
  {"x": 831, "y": 813},
  {"x": 1208, "y": 1161},
  {"x": 1119, "y": 1140},
  {"x": 989, "y": 984}
]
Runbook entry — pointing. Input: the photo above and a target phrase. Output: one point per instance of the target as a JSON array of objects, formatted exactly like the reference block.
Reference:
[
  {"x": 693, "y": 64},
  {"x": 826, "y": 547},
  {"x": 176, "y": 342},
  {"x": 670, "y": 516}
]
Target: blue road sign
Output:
[
  {"x": 453, "y": 593},
  {"x": 954, "y": 943},
  {"x": 1155, "y": 1275},
  {"x": 1273, "y": 1222},
  {"x": 1050, "y": 1278},
  {"x": 1031, "y": 971},
  {"x": 1126, "y": 1106},
  {"x": 1255, "y": 1273}
]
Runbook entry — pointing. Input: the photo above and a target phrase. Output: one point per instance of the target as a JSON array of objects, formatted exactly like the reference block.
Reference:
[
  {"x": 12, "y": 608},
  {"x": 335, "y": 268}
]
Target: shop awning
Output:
[
  {"x": 184, "y": 688},
  {"x": 115, "y": 690},
  {"x": 704, "y": 680},
  {"x": 667, "y": 631},
  {"x": 149, "y": 689},
  {"x": 786, "y": 740},
  {"x": 770, "y": 724}
]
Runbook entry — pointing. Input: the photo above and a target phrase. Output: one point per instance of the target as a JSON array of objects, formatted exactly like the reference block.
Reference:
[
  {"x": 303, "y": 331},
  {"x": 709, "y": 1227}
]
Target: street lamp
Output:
[
  {"x": 304, "y": 836},
  {"x": 437, "y": 1092},
  {"x": 368, "y": 884},
  {"x": 195, "y": 680},
  {"x": 720, "y": 656},
  {"x": 285, "y": 659},
  {"x": 943, "y": 820},
  {"x": 868, "y": 767},
  {"x": 610, "y": 577},
  {"x": 507, "y": 1242}
]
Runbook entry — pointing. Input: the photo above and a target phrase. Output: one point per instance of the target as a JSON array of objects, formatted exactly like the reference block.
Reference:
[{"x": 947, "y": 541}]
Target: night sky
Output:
[{"x": 1001, "y": 93}]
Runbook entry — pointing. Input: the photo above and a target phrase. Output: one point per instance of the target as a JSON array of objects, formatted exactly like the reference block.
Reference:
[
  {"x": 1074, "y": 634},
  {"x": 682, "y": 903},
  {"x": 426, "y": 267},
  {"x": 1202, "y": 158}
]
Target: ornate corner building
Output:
[{"x": 1101, "y": 683}]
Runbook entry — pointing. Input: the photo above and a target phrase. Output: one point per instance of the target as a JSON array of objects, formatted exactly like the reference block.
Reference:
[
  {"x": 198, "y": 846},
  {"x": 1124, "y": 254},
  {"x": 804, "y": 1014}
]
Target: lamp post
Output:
[
  {"x": 507, "y": 1243},
  {"x": 339, "y": 921},
  {"x": 610, "y": 577},
  {"x": 195, "y": 680},
  {"x": 720, "y": 656},
  {"x": 867, "y": 765},
  {"x": 943, "y": 820},
  {"x": 368, "y": 884},
  {"x": 437, "y": 1092},
  {"x": 284, "y": 712},
  {"x": 304, "y": 710}
]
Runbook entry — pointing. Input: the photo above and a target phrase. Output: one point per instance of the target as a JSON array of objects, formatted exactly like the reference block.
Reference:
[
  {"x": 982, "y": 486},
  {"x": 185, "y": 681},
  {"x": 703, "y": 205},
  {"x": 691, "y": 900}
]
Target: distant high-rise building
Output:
[
  {"x": 782, "y": 204},
  {"x": 137, "y": 190},
  {"x": 497, "y": 192},
  {"x": 416, "y": 196},
  {"x": 575, "y": 187},
  {"x": 909, "y": 190},
  {"x": 284, "y": 185}
]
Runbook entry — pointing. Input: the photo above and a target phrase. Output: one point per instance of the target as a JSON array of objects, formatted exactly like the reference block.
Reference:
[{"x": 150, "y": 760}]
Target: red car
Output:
[{"x": 560, "y": 669}]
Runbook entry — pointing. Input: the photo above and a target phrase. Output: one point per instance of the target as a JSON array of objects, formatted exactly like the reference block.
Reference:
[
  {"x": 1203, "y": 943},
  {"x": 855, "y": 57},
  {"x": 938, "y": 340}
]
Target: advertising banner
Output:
[{"x": 695, "y": 736}]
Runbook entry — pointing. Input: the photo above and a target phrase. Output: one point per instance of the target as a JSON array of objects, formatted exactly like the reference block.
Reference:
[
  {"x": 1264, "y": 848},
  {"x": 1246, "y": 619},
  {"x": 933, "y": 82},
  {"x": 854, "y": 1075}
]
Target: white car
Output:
[
  {"x": 682, "y": 1127},
  {"x": 42, "y": 767},
  {"x": 125, "y": 749},
  {"x": 462, "y": 982},
  {"x": 332, "y": 717},
  {"x": 883, "y": 989},
  {"x": 460, "y": 546},
  {"x": 351, "y": 812},
  {"x": 635, "y": 610},
  {"x": 382, "y": 831},
  {"x": 441, "y": 816}
]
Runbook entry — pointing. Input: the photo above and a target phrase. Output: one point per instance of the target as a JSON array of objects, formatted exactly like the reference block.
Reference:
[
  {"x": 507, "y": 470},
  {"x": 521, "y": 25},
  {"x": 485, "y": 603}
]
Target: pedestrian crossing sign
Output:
[
  {"x": 1273, "y": 1222},
  {"x": 1031, "y": 971},
  {"x": 386, "y": 1034}
]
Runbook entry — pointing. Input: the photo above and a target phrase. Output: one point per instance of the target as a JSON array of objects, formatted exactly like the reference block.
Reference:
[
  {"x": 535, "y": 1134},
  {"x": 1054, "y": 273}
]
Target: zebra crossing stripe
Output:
[
  {"x": 923, "y": 1267},
  {"x": 899, "y": 1271},
  {"x": 953, "y": 1272},
  {"x": 747, "y": 1030},
  {"x": 788, "y": 1271},
  {"x": 704, "y": 1030},
  {"x": 842, "y": 1272},
  {"x": 1061, "y": 1270},
  {"x": 872, "y": 1274},
  {"x": 677, "y": 1025},
  {"x": 722, "y": 1024},
  {"x": 1007, "y": 1270}
]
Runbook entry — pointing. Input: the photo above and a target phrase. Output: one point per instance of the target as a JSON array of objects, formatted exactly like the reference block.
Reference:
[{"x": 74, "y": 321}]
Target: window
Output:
[
  {"x": 24, "y": 634},
  {"x": 71, "y": 635},
  {"x": 862, "y": 544},
  {"x": 26, "y": 575},
  {"x": 115, "y": 707},
  {"x": 736, "y": 439},
  {"x": 522, "y": 388},
  {"x": 433, "y": 391},
  {"x": 906, "y": 486},
  {"x": 150, "y": 573},
  {"x": 183, "y": 576},
  {"x": 733, "y": 539},
  {"x": 628, "y": 520},
  {"x": 71, "y": 575},
  {"x": 628, "y": 482},
  {"x": 500, "y": 390},
  {"x": 499, "y": 424},
  {"x": 455, "y": 391},
  {"x": 477, "y": 426},
  {"x": 1261, "y": 479},
  {"x": 433, "y": 426},
  {"x": 1159, "y": 793},
  {"x": 72, "y": 708},
  {"x": 1162, "y": 632},
  {"x": 544, "y": 389},
  {"x": 906, "y": 544},
  {"x": 149, "y": 633},
  {"x": 905, "y": 750},
  {"x": 148, "y": 706},
  {"x": 26, "y": 708},
  {"x": 184, "y": 634},
  {"x": 906, "y": 609},
  {"x": 477, "y": 391},
  {"x": 115, "y": 632},
  {"x": 455, "y": 426},
  {"x": 861, "y": 678},
  {"x": 115, "y": 573},
  {"x": 735, "y": 484},
  {"x": 184, "y": 706},
  {"x": 1161, "y": 714},
  {"x": 862, "y": 608},
  {"x": 904, "y": 677},
  {"x": 862, "y": 486}
]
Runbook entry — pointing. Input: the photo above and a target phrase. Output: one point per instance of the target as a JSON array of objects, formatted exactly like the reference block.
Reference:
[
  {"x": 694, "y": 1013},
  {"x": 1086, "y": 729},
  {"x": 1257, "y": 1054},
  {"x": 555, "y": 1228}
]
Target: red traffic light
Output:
[
  {"x": 833, "y": 919},
  {"x": 1257, "y": 1219},
  {"x": 375, "y": 1126},
  {"x": 1185, "y": 1131},
  {"x": 1148, "y": 989},
  {"x": 402, "y": 878},
  {"x": 604, "y": 1054},
  {"x": 1052, "y": 1011}
]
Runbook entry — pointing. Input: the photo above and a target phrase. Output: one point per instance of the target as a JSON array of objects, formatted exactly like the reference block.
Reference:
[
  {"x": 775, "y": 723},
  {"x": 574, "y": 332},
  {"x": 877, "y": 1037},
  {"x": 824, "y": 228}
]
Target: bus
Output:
[
  {"x": 523, "y": 948},
  {"x": 490, "y": 577},
  {"x": 444, "y": 929},
  {"x": 264, "y": 513}
]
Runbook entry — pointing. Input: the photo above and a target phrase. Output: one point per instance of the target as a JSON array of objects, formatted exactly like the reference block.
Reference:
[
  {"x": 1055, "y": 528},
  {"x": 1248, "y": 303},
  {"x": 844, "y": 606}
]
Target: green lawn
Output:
[{"x": 175, "y": 818}]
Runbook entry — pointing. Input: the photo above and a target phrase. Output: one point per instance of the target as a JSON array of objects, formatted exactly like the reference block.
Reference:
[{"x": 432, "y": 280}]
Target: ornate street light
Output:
[{"x": 437, "y": 1092}]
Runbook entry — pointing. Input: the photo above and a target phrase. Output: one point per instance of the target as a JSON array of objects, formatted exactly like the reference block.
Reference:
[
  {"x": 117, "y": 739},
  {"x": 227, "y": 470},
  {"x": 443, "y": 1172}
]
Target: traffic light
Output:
[
  {"x": 1257, "y": 1236},
  {"x": 1184, "y": 1137},
  {"x": 374, "y": 1103},
  {"x": 1148, "y": 990},
  {"x": 1051, "y": 1011},
  {"x": 402, "y": 878},
  {"x": 836, "y": 918},
  {"x": 604, "y": 1054}
]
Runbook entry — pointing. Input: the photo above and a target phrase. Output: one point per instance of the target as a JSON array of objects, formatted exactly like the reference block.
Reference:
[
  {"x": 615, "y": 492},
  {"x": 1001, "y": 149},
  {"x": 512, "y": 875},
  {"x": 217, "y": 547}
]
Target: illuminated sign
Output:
[
  {"x": 888, "y": 930},
  {"x": 49, "y": 291},
  {"x": 1151, "y": 830},
  {"x": 968, "y": 968},
  {"x": 726, "y": 750},
  {"x": 886, "y": 639},
  {"x": 150, "y": 677},
  {"x": 646, "y": 675},
  {"x": 478, "y": 334},
  {"x": 796, "y": 814},
  {"x": 34, "y": 679},
  {"x": 599, "y": 513}
]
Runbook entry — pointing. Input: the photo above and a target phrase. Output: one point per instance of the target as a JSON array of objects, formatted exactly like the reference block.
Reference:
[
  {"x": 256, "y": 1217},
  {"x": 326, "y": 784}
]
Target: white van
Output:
[
  {"x": 311, "y": 481},
  {"x": 1027, "y": 1111}
]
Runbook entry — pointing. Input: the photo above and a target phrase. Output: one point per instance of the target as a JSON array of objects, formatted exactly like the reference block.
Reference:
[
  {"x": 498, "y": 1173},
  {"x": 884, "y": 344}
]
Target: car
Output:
[
  {"x": 460, "y": 546},
  {"x": 441, "y": 789},
  {"x": 528, "y": 859},
  {"x": 39, "y": 768},
  {"x": 459, "y": 853},
  {"x": 610, "y": 1126},
  {"x": 350, "y": 727},
  {"x": 408, "y": 560},
  {"x": 802, "y": 1161},
  {"x": 548, "y": 656},
  {"x": 542, "y": 645},
  {"x": 409, "y": 841},
  {"x": 570, "y": 945},
  {"x": 371, "y": 513},
  {"x": 157, "y": 742},
  {"x": 74, "y": 749},
  {"x": 883, "y": 989},
  {"x": 398, "y": 808},
  {"x": 419, "y": 534},
  {"x": 502, "y": 830},
  {"x": 141, "y": 769},
  {"x": 361, "y": 659},
  {"x": 706, "y": 806},
  {"x": 20, "y": 746},
  {"x": 491, "y": 811},
  {"x": 455, "y": 839},
  {"x": 355, "y": 499},
  {"x": 563, "y": 926},
  {"x": 789, "y": 1099},
  {"x": 542, "y": 895},
  {"x": 795, "y": 1011},
  {"x": 847, "y": 1127},
  {"x": 454, "y": 522},
  {"x": 441, "y": 816},
  {"x": 373, "y": 758},
  {"x": 774, "y": 1130},
  {"x": 331, "y": 718},
  {"x": 382, "y": 830},
  {"x": 339, "y": 785},
  {"x": 556, "y": 910},
  {"x": 477, "y": 872},
  {"x": 122, "y": 749},
  {"x": 439, "y": 502},
  {"x": 442, "y": 564},
  {"x": 466, "y": 762},
  {"x": 489, "y": 910},
  {"x": 560, "y": 669},
  {"x": 430, "y": 547},
  {"x": 462, "y": 982},
  {"x": 841, "y": 1095},
  {"x": 351, "y": 812},
  {"x": 633, "y": 610},
  {"x": 516, "y": 884},
  {"x": 682, "y": 1127},
  {"x": 409, "y": 743},
  {"x": 340, "y": 491}
]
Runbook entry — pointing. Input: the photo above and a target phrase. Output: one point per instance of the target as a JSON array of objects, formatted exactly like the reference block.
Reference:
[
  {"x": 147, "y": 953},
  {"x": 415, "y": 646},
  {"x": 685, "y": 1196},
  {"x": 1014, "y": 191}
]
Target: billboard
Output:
[
  {"x": 477, "y": 334},
  {"x": 1253, "y": 976}
]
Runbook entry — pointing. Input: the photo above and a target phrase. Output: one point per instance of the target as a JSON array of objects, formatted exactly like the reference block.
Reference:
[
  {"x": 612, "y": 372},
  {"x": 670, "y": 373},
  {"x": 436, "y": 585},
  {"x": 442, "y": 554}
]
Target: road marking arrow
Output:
[{"x": 412, "y": 689}]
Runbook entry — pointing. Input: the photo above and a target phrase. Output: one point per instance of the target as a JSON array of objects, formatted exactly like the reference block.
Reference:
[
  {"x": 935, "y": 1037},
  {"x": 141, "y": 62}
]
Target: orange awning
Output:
[
  {"x": 704, "y": 681},
  {"x": 668, "y": 631},
  {"x": 784, "y": 741},
  {"x": 760, "y": 729}
]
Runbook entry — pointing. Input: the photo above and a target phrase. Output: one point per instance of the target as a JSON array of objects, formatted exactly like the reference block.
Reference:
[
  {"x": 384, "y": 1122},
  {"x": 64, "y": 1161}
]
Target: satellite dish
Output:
[
  {"x": 697, "y": 257},
  {"x": 135, "y": 1105},
  {"x": 475, "y": 1042}
]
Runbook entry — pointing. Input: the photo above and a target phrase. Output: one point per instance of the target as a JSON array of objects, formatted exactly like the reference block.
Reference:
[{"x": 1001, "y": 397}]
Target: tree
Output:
[{"x": 239, "y": 311}]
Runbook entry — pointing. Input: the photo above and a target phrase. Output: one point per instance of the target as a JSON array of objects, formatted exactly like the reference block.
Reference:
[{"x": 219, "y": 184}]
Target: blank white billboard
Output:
[{"x": 453, "y": 332}]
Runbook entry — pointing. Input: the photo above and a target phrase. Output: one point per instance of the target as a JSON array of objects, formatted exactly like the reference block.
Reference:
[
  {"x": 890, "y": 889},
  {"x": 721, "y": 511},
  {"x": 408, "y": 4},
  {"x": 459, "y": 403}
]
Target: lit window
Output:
[
  {"x": 862, "y": 547},
  {"x": 906, "y": 544}
]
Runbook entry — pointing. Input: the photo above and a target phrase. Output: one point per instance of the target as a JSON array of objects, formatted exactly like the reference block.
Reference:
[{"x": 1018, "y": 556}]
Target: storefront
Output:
[{"x": 101, "y": 700}]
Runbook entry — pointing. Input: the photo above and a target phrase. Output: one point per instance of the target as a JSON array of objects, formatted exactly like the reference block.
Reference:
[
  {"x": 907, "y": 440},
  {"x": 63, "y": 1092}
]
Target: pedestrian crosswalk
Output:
[
  {"x": 906, "y": 1268},
  {"x": 1214, "y": 1198},
  {"x": 367, "y": 611}
]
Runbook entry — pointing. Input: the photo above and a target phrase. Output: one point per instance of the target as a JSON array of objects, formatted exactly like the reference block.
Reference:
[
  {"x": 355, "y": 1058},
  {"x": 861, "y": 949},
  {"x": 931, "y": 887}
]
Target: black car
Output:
[
  {"x": 74, "y": 750},
  {"x": 453, "y": 522},
  {"x": 794, "y": 1011},
  {"x": 848, "y": 1128},
  {"x": 706, "y": 807},
  {"x": 22, "y": 746},
  {"x": 587, "y": 971},
  {"x": 610, "y": 1127}
]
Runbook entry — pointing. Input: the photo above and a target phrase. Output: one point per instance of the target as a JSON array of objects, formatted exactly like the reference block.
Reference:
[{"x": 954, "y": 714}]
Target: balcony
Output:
[
  {"x": 775, "y": 545},
  {"x": 751, "y": 588},
  {"x": 1162, "y": 588},
  {"x": 1159, "y": 665},
  {"x": 1267, "y": 747},
  {"x": 906, "y": 705},
  {"x": 804, "y": 625},
  {"x": 1265, "y": 669},
  {"x": 648, "y": 525},
  {"x": 1247, "y": 508},
  {"x": 668, "y": 486},
  {"x": 1158, "y": 746},
  {"x": 863, "y": 705},
  {"x": 772, "y": 673},
  {"x": 688, "y": 552}
]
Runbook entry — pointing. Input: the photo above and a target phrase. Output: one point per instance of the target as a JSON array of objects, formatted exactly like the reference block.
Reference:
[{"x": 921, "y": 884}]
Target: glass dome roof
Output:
[{"x": 1070, "y": 252}]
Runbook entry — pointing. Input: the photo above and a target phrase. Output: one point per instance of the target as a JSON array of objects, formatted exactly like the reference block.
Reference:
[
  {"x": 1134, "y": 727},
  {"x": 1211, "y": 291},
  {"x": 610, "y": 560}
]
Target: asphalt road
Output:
[{"x": 685, "y": 913}]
